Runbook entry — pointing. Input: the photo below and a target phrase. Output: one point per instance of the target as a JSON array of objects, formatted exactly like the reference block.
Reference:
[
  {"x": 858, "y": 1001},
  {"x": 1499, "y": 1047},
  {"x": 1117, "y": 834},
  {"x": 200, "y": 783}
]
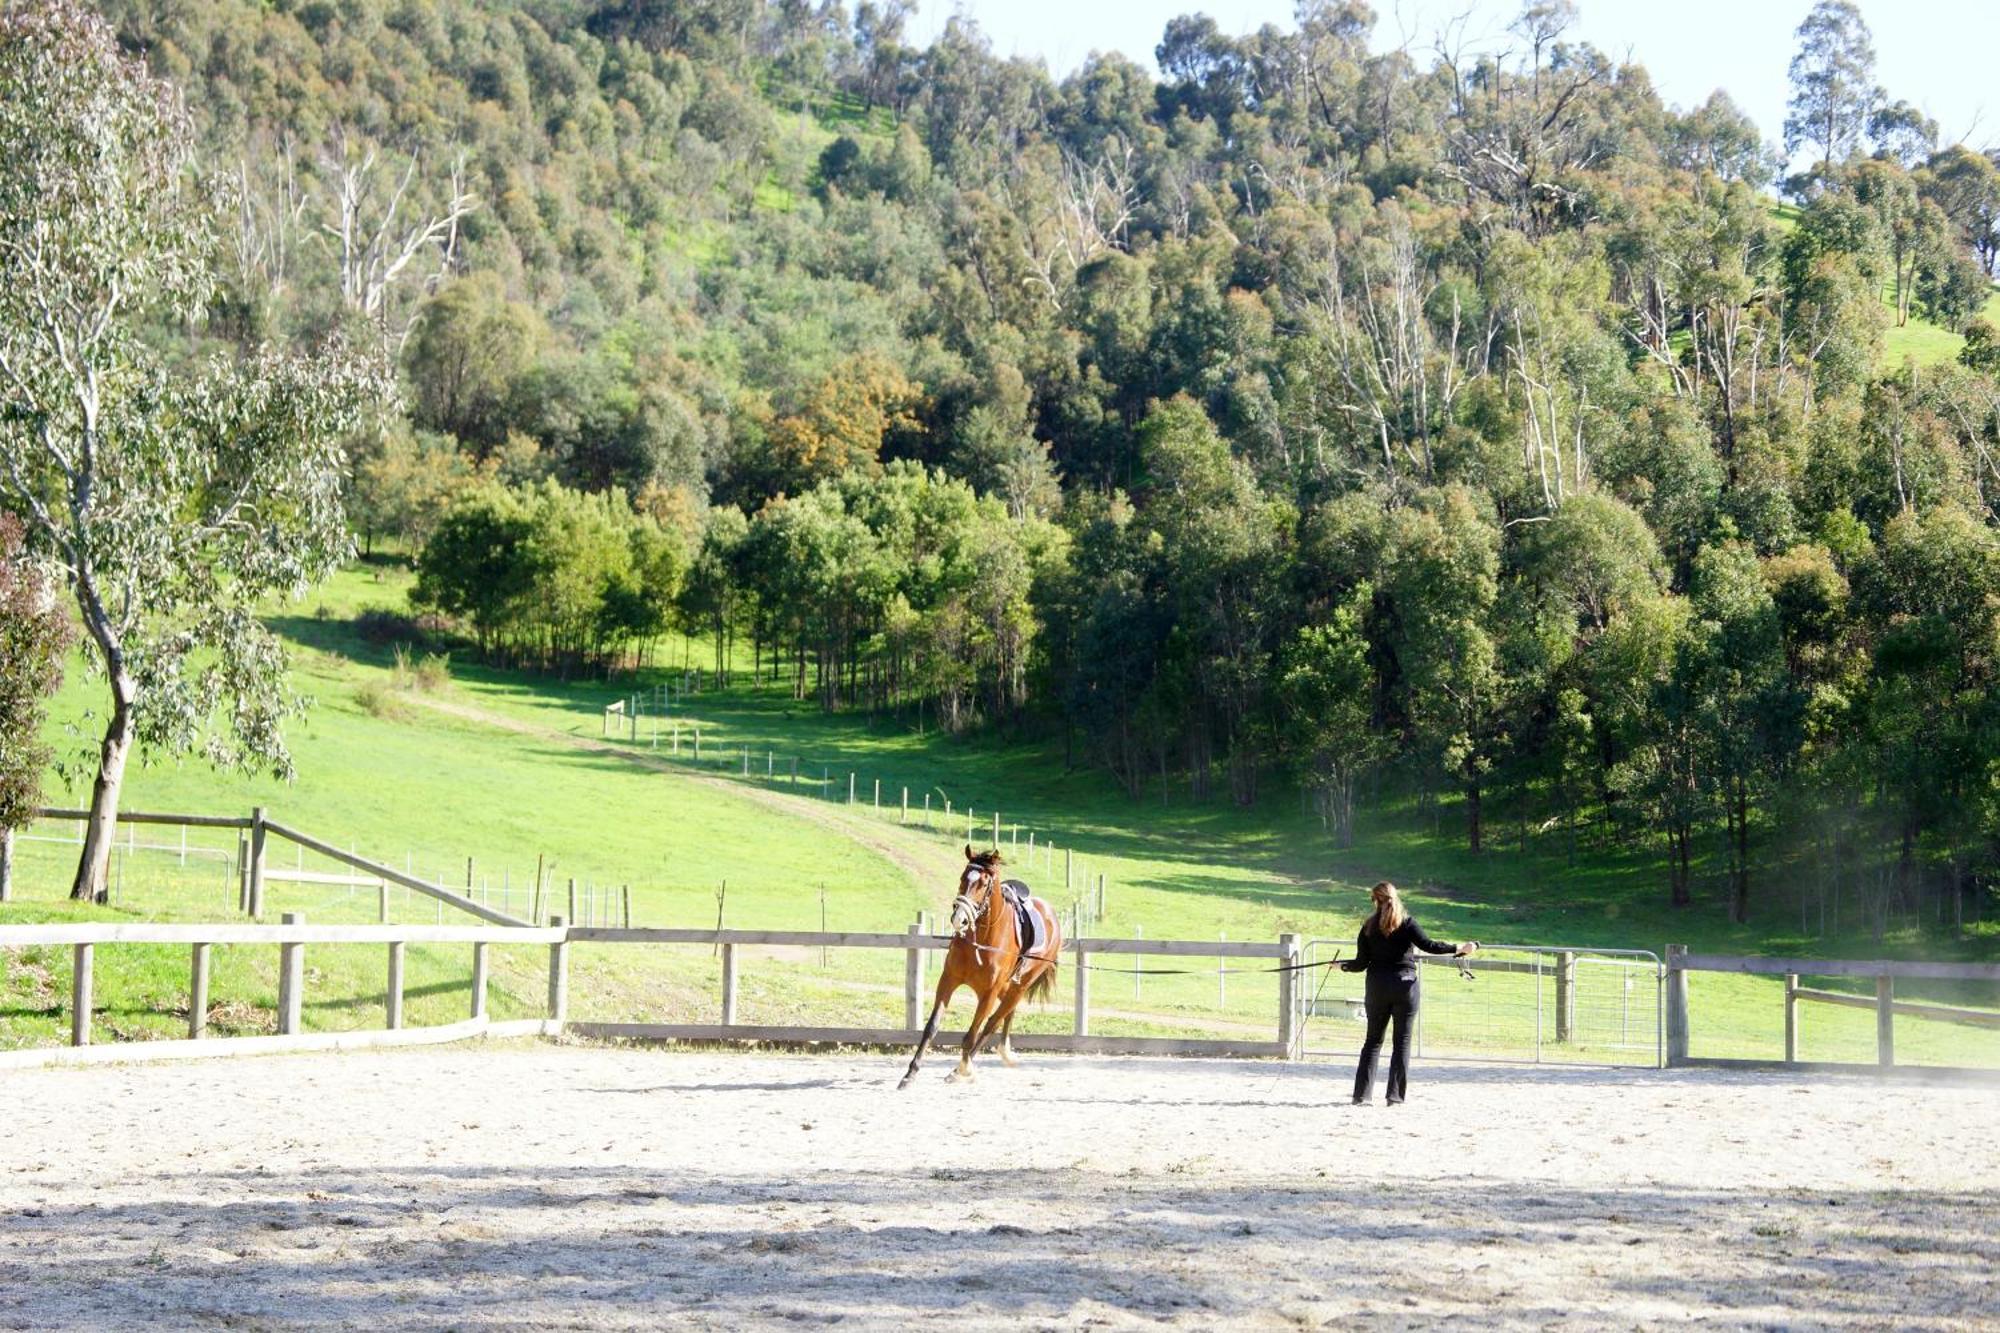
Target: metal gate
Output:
[{"x": 1550, "y": 1004}]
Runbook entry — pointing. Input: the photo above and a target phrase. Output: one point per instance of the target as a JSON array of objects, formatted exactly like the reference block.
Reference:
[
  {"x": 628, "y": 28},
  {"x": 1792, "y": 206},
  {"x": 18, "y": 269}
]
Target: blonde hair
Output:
[{"x": 1389, "y": 914}]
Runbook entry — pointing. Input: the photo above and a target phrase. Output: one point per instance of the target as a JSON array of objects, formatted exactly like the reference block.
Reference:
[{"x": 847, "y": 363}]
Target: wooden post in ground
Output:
[
  {"x": 572, "y": 899},
  {"x": 913, "y": 962},
  {"x": 1791, "y": 1018},
  {"x": 256, "y": 904},
  {"x": 559, "y": 975},
  {"x": 850, "y": 787},
  {"x": 198, "y": 991},
  {"x": 1081, "y": 1024},
  {"x": 1677, "y": 1005},
  {"x": 1565, "y": 994},
  {"x": 878, "y": 793},
  {"x": 393, "y": 997},
  {"x": 1288, "y": 997},
  {"x": 905, "y": 818},
  {"x": 996, "y": 830},
  {"x": 728, "y": 985},
  {"x": 1885, "y": 1021},
  {"x": 625, "y": 895},
  {"x": 291, "y": 979},
  {"x": 480, "y": 964},
  {"x": 242, "y": 874},
  {"x": 81, "y": 996},
  {"x": 6, "y": 864}
]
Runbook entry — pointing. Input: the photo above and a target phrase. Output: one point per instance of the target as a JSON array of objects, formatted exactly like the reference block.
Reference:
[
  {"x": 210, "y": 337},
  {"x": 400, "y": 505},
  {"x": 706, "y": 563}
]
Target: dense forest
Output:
[{"x": 1460, "y": 423}]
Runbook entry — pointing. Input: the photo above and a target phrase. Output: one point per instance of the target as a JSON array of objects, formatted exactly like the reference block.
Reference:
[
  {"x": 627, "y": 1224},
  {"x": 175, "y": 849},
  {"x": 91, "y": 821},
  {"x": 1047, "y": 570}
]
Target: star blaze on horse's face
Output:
[{"x": 974, "y": 887}]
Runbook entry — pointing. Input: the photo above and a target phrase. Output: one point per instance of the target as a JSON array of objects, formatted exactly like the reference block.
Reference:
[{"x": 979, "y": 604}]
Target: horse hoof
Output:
[{"x": 960, "y": 1076}]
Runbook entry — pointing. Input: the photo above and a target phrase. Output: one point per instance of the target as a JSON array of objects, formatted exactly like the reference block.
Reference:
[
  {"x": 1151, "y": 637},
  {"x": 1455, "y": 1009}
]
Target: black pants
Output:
[{"x": 1388, "y": 998}]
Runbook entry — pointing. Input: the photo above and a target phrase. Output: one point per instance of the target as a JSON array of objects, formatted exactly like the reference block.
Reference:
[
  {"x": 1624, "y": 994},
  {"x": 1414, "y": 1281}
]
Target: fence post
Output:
[
  {"x": 1288, "y": 997},
  {"x": 82, "y": 957},
  {"x": 479, "y": 973},
  {"x": 1677, "y": 1006},
  {"x": 242, "y": 874},
  {"x": 559, "y": 975},
  {"x": 572, "y": 898},
  {"x": 625, "y": 893},
  {"x": 878, "y": 793},
  {"x": 1069, "y": 870},
  {"x": 996, "y": 830},
  {"x": 257, "y": 863},
  {"x": 906, "y": 807},
  {"x": 291, "y": 978},
  {"x": 728, "y": 985},
  {"x": 6, "y": 864},
  {"x": 850, "y": 787},
  {"x": 198, "y": 991},
  {"x": 1791, "y": 1018},
  {"x": 913, "y": 978},
  {"x": 1885, "y": 1021},
  {"x": 393, "y": 999},
  {"x": 1081, "y": 1026},
  {"x": 1565, "y": 995}
]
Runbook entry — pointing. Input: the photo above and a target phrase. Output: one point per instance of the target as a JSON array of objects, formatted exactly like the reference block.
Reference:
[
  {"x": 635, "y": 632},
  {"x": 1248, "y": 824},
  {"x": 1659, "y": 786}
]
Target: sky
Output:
[{"x": 1942, "y": 55}]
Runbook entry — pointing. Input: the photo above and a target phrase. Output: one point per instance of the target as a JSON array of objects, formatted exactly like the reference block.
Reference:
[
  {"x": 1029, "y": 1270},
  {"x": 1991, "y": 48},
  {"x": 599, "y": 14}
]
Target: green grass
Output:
[{"x": 429, "y": 780}]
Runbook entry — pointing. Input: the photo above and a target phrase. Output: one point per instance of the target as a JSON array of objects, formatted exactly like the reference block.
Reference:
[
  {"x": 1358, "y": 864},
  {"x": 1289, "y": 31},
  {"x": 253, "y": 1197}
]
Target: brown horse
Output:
[{"x": 988, "y": 954}]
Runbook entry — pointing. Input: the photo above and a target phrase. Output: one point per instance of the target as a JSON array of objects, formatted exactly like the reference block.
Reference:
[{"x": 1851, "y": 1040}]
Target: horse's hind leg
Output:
[{"x": 1002, "y": 1022}]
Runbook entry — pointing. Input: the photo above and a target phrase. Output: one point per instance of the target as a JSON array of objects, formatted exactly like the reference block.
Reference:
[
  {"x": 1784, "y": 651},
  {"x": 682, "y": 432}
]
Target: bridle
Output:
[{"x": 968, "y": 911}]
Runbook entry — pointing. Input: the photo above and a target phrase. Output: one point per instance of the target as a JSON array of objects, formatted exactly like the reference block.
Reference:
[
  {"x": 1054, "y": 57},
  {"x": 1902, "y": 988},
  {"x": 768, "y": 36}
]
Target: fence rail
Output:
[
  {"x": 1884, "y": 1002},
  {"x": 1561, "y": 1004},
  {"x": 292, "y": 935}
]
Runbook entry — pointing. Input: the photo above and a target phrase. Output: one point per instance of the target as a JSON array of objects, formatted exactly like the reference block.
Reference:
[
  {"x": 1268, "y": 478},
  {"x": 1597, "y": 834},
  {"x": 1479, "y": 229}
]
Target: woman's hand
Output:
[{"x": 1468, "y": 948}]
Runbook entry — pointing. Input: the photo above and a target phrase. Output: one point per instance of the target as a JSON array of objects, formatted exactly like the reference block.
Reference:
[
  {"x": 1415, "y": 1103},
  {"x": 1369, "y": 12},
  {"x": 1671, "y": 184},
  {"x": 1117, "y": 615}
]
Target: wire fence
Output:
[
  {"x": 1543, "y": 1004},
  {"x": 647, "y": 720}
]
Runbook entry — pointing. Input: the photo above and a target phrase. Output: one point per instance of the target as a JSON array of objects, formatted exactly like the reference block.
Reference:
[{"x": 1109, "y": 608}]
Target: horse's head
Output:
[{"x": 976, "y": 887}]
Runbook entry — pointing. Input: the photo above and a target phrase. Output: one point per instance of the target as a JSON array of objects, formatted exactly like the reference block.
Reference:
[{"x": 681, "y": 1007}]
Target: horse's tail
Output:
[{"x": 1042, "y": 986}]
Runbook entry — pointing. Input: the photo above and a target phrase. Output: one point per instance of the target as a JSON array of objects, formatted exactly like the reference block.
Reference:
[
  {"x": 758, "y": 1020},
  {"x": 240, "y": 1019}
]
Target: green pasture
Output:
[{"x": 504, "y": 768}]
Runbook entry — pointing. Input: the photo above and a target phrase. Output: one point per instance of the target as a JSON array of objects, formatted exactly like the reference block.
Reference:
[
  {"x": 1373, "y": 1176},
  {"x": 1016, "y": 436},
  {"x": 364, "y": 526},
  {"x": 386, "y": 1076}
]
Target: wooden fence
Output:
[
  {"x": 1884, "y": 1002},
  {"x": 259, "y": 829},
  {"x": 293, "y": 935},
  {"x": 291, "y": 938},
  {"x": 1283, "y": 956}
]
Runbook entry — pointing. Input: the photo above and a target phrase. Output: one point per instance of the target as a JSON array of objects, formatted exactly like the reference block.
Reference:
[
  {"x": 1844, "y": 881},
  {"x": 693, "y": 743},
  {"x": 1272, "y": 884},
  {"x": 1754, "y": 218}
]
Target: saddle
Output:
[{"x": 1028, "y": 922}]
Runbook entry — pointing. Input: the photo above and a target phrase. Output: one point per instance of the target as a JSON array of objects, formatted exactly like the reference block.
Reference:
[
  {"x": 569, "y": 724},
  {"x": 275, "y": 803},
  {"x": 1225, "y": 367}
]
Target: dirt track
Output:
[
  {"x": 564, "y": 1186},
  {"x": 924, "y": 862}
]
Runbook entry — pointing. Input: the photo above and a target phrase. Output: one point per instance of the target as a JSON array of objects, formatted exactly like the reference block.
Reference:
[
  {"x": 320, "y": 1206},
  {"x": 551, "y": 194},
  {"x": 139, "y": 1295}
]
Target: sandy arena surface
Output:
[{"x": 579, "y": 1187}]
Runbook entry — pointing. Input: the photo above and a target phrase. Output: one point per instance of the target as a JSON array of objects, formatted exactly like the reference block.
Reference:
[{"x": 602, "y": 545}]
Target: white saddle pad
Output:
[{"x": 1039, "y": 916}]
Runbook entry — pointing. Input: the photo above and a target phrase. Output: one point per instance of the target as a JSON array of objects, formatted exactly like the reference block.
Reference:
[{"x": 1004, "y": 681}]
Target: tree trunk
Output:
[
  {"x": 1472, "y": 818},
  {"x": 102, "y": 831}
]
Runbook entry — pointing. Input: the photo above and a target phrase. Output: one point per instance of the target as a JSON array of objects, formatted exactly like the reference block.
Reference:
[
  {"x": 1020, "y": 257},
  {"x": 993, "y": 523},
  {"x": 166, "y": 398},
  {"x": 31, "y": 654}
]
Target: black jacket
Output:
[{"x": 1394, "y": 956}]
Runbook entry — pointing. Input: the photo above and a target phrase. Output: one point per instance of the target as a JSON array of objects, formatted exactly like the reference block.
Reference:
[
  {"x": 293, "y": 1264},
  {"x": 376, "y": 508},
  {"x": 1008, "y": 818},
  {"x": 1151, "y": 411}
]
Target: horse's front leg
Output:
[
  {"x": 930, "y": 1030},
  {"x": 973, "y": 1035}
]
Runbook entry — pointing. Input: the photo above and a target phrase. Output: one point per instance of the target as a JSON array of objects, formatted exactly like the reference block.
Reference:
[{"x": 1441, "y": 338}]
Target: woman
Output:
[{"x": 1386, "y": 951}]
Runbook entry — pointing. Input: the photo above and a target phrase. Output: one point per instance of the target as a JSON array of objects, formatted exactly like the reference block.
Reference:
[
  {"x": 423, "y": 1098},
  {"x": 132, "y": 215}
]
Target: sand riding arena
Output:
[{"x": 575, "y": 1186}]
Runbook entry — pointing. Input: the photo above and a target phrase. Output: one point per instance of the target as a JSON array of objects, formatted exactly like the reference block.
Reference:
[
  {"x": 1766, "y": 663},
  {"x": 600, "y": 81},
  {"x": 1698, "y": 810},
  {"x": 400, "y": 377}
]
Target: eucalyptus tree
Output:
[
  {"x": 174, "y": 499},
  {"x": 1833, "y": 82}
]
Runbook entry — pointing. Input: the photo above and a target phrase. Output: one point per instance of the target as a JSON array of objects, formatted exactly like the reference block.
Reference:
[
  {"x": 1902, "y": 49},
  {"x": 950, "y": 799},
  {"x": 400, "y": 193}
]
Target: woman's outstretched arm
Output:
[{"x": 1429, "y": 945}]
